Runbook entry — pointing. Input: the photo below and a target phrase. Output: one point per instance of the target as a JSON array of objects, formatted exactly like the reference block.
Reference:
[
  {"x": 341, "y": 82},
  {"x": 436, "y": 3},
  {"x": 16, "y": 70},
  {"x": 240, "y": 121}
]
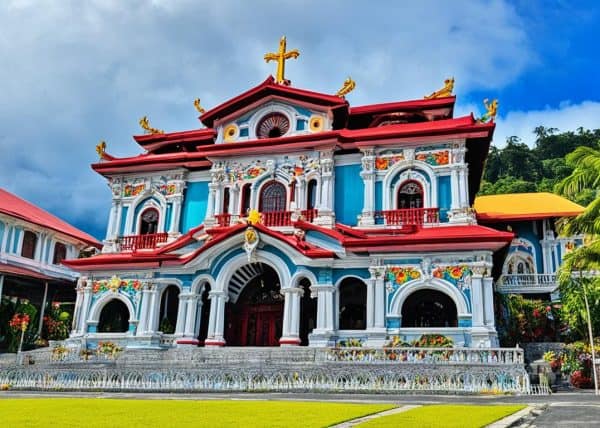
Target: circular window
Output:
[{"x": 272, "y": 126}]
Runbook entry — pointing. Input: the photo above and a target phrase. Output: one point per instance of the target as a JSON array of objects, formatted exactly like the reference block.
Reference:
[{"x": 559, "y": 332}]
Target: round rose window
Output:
[{"x": 272, "y": 126}]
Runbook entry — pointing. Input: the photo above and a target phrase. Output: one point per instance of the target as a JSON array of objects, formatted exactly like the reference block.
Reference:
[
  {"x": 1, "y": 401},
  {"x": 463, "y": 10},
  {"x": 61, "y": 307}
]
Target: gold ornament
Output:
[
  {"x": 491, "y": 111},
  {"x": 250, "y": 236},
  {"x": 446, "y": 91},
  {"x": 230, "y": 132},
  {"x": 280, "y": 57},
  {"x": 254, "y": 217},
  {"x": 315, "y": 123},
  {"x": 101, "y": 149},
  {"x": 200, "y": 109},
  {"x": 146, "y": 127},
  {"x": 347, "y": 87},
  {"x": 114, "y": 283}
]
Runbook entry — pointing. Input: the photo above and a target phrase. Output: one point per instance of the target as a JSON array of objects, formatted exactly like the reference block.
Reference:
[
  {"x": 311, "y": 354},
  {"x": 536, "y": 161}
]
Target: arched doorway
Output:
[
  {"x": 308, "y": 312},
  {"x": 410, "y": 195},
  {"x": 114, "y": 317},
  {"x": 273, "y": 197},
  {"x": 353, "y": 304},
  {"x": 429, "y": 308},
  {"x": 149, "y": 221},
  {"x": 254, "y": 315},
  {"x": 169, "y": 304}
]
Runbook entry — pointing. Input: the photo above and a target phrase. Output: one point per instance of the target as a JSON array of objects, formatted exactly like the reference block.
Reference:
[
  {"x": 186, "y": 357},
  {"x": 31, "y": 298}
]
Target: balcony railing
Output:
[
  {"x": 409, "y": 216},
  {"x": 309, "y": 215},
  {"x": 141, "y": 242},
  {"x": 532, "y": 283},
  {"x": 223, "y": 219},
  {"x": 277, "y": 218}
]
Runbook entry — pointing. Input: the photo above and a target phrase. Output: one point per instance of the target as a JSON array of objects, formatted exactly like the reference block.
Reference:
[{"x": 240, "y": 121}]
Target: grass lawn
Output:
[
  {"x": 446, "y": 416},
  {"x": 94, "y": 412}
]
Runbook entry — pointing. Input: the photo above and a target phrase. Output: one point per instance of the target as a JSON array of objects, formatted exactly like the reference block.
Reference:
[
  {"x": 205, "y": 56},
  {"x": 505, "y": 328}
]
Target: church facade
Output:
[{"x": 296, "y": 219}]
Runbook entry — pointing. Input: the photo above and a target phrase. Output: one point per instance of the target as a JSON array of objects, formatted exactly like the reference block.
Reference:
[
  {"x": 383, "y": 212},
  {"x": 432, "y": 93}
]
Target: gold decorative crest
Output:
[
  {"x": 281, "y": 56},
  {"x": 347, "y": 87},
  {"x": 149, "y": 129},
  {"x": 446, "y": 91}
]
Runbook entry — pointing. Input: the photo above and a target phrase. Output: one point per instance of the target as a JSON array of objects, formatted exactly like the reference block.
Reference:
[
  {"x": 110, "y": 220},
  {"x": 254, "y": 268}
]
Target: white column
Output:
[
  {"x": 112, "y": 219},
  {"x": 85, "y": 307},
  {"x": 190, "y": 318},
  {"x": 143, "y": 324},
  {"x": 291, "y": 317},
  {"x": 210, "y": 206},
  {"x": 380, "y": 309},
  {"x": 477, "y": 303},
  {"x": 300, "y": 199},
  {"x": 175, "y": 215},
  {"x": 78, "y": 304},
  {"x": 119, "y": 219},
  {"x": 43, "y": 309},
  {"x": 463, "y": 188},
  {"x": 181, "y": 314},
  {"x": 370, "y": 303},
  {"x": 325, "y": 308},
  {"x": 217, "y": 319},
  {"x": 488, "y": 301},
  {"x": 218, "y": 208},
  {"x": 153, "y": 311},
  {"x": 454, "y": 185}
]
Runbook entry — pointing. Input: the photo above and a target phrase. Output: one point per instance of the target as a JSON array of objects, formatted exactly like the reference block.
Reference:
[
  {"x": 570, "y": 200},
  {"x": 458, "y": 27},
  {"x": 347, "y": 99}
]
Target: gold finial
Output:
[
  {"x": 491, "y": 111},
  {"x": 200, "y": 109},
  {"x": 146, "y": 127},
  {"x": 446, "y": 91},
  {"x": 280, "y": 57},
  {"x": 101, "y": 149},
  {"x": 347, "y": 87},
  {"x": 254, "y": 217}
]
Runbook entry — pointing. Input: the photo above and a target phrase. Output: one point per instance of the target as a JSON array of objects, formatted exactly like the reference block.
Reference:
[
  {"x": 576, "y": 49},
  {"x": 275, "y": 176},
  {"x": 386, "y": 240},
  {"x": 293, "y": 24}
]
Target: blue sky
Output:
[{"x": 75, "y": 72}]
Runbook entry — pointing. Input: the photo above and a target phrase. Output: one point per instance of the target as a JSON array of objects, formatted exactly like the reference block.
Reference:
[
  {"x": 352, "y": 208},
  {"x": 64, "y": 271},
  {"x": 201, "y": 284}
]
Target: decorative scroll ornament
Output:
[
  {"x": 453, "y": 274},
  {"x": 398, "y": 276},
  {"x": 101, "y": 148},
  {"x": 281, "y": 56},
  {"x": 347, "y": 87},
  {"x": 251, "y": 240},
  {"x": 446, "y": 91},
  {"x": 199, "y": 108},
  {"x": 115, "y": 284},
  {"x": 149, "y": 129},
  {"x": 491, "y": 110}
]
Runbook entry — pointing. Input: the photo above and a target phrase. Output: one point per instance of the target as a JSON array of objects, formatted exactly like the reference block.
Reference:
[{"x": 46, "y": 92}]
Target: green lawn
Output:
[
  {"x": 94, "y": 412},
  {"x": 446, "y": 416}
]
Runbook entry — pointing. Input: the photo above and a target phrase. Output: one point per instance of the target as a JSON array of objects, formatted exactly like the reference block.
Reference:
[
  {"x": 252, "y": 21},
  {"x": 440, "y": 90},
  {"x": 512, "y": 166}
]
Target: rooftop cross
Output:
[{"x": 280, "y": 57}]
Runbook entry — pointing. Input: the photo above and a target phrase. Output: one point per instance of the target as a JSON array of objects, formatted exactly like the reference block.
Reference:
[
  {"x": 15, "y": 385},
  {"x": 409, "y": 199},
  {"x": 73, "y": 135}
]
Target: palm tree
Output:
[{"x": 577, "y": 275}]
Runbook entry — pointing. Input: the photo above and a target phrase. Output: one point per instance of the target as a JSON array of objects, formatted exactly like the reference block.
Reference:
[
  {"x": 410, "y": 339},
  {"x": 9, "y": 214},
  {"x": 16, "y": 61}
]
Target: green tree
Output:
[{"x": 575, "y": 277}]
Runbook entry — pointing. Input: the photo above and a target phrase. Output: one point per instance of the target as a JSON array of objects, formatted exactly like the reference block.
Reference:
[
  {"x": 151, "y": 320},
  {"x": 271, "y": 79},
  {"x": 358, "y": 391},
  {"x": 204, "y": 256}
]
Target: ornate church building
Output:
[{"x": 294, "y": 218}]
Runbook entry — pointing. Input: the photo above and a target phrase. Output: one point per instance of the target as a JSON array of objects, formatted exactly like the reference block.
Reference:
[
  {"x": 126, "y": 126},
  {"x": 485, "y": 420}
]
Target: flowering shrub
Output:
[
  {"x": 59, "y": 352},
  {"x": 108, "y": 349},
  {"x": 56, "y": 323},
  {"x": 521, "y": 320},
  {"x": 350, "y": 343},
  {"x": 574, "y": 361},
  {"x": 19, "y": 322},
  {"x": 433, "y": 341},
  {"x": 396, "y": 342}
]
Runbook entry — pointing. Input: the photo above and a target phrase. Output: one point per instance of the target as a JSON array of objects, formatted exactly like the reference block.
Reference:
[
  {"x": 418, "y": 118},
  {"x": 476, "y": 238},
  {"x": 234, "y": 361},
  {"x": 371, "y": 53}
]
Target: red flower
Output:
[{"x": 536, "y": 313}]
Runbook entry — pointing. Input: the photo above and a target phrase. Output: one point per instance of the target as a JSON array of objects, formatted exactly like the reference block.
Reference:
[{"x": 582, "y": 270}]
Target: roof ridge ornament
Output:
[
  {"x": 491, "y": 111},
  {"x": 101, "y": 150},
  {"x": 199, "y": 108},
  {"x": 446, "y": 91},
  {"x": 347, "y": 87},
  {"x": 149, "y": 129},
  {"x": 281, "y": 56}
]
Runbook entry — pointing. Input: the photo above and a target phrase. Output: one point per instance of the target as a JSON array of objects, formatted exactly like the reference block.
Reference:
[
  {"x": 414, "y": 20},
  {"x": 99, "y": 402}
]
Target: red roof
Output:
[
  {"x": 14, "y": 206},
  {"x": 24, "y": 272},
  {"x": 423, "y": 104},
  {"x": 266, "y": 88}
]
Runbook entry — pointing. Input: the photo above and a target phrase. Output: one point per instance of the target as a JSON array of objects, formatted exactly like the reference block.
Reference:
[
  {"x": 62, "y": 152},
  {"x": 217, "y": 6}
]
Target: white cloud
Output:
[
  {"x": 567, "y": 117},
  {"x": 76, "y": 72}
]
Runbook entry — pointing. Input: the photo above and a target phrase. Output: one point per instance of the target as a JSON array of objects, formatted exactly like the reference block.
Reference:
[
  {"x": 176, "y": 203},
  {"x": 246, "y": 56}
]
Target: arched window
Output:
[
  {"x": 60, "y": 253},
  {"x": 225, "y": 200},
  {"x": 29, "y": 244},
  {"x": 245, "y": 205},
  {"x": 311, "y": 194},
  {"x": 353, "y": 304},
  {"x": 272, "y": 197},
  {"x": 169, "y": 304},
  {"x": 410, "y": 195},
  {"x": 308, "y": 312},
  {"x": 149, "y": 221},
  {"x": 429, "y": 308},
  {"x": 273, "y": 125},
  {"x": 114, "y": 317}
]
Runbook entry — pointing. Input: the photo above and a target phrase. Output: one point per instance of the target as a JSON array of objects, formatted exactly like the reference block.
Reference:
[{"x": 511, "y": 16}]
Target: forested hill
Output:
[{"x": 516, "y": 168}]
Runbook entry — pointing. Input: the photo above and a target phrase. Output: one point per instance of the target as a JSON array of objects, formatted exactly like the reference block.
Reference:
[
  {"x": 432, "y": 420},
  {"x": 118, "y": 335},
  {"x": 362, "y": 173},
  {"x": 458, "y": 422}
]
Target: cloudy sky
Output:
[{"x": 76, "y": 72}]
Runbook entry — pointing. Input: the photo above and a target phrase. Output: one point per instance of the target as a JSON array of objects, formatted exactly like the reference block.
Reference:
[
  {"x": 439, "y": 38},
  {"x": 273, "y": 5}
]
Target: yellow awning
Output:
[{"x": 524, "y": 206}]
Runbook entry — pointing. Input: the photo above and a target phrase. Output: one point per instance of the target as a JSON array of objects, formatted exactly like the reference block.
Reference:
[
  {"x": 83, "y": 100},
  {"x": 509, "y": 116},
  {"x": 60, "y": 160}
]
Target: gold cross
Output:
[{"x": 280, "y": 57}]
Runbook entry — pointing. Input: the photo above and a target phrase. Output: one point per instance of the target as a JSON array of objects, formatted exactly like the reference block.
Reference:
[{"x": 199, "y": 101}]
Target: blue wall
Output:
[
  {"x": 525, "y": 229},
  {"x": 194, "y": 205},
  {"x": 17, "y": 235},
  {"x": 123, "y": 220},
  {"x": 349, "y": 193},
  {"x": 444, "y": 196}
]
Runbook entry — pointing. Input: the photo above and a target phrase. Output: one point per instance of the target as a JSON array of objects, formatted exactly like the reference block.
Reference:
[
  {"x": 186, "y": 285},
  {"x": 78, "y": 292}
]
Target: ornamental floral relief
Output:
[
  {"x": 116, "y": 284},
  {"x": 434, "y": 158},
  {"x": 387, "y": 159},
  {"x": 398, "y": 276},
  {"x": 303, "y": 165},
  {"x": 133, "y": 189},
  {"x": 238, "y": 171},
  {"x": 454, "y": 274}
]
